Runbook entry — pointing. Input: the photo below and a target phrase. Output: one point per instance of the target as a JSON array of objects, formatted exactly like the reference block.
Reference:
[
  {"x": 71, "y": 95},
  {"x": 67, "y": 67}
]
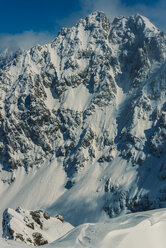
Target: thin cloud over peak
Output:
[
  {"x": 25, "y": 40},
  {"x": 155, "y": 12}
]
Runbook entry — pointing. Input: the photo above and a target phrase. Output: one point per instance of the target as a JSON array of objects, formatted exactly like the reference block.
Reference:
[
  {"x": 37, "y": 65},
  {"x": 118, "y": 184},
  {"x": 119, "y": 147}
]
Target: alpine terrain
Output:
[{"x": 83, "y": 135}]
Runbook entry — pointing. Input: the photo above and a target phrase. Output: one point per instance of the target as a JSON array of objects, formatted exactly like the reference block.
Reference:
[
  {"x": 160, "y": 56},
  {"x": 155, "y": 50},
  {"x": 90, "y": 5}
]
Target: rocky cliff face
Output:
[
  {"x": 33, "y": 227},
  {"x": 93, "y": 98}
]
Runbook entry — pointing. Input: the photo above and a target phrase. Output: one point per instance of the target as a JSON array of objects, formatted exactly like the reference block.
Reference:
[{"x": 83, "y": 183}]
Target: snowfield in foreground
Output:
[{"x": 145, "y": 230}]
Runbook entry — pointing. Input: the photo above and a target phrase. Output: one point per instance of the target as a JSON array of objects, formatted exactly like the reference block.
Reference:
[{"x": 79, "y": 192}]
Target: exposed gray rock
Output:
[
  {"x": 94, "y": 96},
  {"x": 25, "y": 226}
]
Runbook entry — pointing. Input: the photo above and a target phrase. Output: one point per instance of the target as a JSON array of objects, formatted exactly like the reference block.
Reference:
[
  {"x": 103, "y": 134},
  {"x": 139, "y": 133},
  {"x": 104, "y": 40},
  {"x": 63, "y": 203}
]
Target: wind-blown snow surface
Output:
[
  {"x": 145, "y": 230},
  {"x": 83, "y": 121}
]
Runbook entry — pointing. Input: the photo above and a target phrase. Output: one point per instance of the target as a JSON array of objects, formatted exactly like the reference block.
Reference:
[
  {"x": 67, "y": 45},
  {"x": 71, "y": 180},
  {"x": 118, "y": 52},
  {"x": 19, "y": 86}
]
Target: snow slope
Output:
[
  {"x": 83, "y": 121},
  {"x": 33, "y": 227},
  {"x": 145, "y": 230},
  {"x": 35, "y": 190},
  {"x": 12, "y": 244}
]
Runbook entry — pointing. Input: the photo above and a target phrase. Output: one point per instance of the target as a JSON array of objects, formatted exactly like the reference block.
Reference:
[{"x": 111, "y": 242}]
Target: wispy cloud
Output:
[
  {"x": 112, "y": 8},
  {"x": 25, "y": 40},
  {"x": 155, "y": 12}
]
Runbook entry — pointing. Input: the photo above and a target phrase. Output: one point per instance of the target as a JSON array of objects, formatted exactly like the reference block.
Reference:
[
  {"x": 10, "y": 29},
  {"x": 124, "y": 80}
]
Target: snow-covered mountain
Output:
[{"x": 83, "y": 121}]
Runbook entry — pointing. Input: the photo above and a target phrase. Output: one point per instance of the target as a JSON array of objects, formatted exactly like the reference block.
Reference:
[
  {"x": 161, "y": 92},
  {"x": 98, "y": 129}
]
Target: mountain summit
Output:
[{"x": 84, "y": 119}]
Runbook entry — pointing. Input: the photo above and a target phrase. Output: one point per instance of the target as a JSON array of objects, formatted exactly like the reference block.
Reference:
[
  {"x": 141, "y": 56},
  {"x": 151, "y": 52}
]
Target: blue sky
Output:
[
  {"x": 27, "y": 22},
  {"x": 37, "y": 15}
]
